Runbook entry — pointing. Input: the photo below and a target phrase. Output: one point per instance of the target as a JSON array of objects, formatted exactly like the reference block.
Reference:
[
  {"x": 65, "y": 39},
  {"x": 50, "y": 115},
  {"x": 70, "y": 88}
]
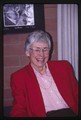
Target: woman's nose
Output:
[{"x": 42, "y": 52}]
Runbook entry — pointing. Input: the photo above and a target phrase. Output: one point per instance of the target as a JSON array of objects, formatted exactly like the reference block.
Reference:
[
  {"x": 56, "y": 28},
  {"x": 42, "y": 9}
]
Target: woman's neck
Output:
[{"x": 41, "y": 70}]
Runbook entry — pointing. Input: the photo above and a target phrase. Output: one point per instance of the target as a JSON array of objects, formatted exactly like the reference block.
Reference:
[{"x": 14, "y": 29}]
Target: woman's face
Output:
[{"x": 39, "y": 54}]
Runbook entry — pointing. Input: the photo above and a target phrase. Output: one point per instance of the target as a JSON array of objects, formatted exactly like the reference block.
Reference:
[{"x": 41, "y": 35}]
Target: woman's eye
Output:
[{"x": 37, "y": 50}]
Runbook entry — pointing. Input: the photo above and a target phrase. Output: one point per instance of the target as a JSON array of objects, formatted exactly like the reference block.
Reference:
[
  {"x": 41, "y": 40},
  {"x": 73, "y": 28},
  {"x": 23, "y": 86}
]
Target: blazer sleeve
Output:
[
  {"x": 73, "y": 81},
  {"x": 19, "y": 107}
]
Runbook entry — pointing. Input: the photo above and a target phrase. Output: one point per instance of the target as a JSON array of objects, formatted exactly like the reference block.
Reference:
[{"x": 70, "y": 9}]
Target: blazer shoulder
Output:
[
  {"x": 61, "y": 67},
  {"x": 20, "y": 76},
  {"x": 59, "y": 63},
  {"x": 20, "y": 72}
]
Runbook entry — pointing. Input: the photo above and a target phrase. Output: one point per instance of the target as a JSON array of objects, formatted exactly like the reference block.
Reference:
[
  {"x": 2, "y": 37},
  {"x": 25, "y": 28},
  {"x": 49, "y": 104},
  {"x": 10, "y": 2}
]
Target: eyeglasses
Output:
[{"x": 39, "y": 50}]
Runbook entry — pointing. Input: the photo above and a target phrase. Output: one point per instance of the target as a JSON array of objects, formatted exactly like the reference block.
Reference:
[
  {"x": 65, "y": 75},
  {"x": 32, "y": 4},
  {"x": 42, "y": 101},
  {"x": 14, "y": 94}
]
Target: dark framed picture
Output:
[{"x": 23, "y": 18}]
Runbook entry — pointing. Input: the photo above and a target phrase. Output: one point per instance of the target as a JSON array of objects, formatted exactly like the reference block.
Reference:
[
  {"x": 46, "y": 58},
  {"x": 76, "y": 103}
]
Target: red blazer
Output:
[{"x": 28, "y": 101}]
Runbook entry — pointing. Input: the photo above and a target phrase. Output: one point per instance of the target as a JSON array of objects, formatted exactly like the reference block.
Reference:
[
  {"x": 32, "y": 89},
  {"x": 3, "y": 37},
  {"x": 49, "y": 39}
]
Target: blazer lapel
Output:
[
  {"x": 35, "y": 96},
  {"x": 60, "y": 79}
]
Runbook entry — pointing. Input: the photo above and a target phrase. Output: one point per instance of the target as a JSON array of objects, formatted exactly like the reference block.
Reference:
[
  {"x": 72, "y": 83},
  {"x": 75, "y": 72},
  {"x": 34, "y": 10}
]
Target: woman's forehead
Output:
[{"x": 40, "y": 44}]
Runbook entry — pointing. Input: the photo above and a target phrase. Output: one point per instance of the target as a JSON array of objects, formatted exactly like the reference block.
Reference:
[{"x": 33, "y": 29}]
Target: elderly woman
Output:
[{"x": 43, "y": 88}]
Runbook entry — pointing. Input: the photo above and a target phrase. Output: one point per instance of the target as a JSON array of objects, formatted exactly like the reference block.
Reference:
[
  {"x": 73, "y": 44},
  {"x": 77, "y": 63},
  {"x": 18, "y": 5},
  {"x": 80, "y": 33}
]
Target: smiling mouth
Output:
[{"x": 40, "y": 60}]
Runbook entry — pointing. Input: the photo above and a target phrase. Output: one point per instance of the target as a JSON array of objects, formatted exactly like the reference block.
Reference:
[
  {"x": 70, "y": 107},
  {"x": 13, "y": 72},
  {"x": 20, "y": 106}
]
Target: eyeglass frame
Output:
[{"x": 38, "y": 50}]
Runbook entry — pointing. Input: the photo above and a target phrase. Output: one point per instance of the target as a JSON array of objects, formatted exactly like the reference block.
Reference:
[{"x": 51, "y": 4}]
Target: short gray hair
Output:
[{"x": 37, "y": 36}]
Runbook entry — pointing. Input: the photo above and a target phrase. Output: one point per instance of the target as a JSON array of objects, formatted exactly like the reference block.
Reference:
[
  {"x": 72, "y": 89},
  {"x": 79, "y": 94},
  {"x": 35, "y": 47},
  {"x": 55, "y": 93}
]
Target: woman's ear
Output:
[{"x": 27, "y": 53}]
